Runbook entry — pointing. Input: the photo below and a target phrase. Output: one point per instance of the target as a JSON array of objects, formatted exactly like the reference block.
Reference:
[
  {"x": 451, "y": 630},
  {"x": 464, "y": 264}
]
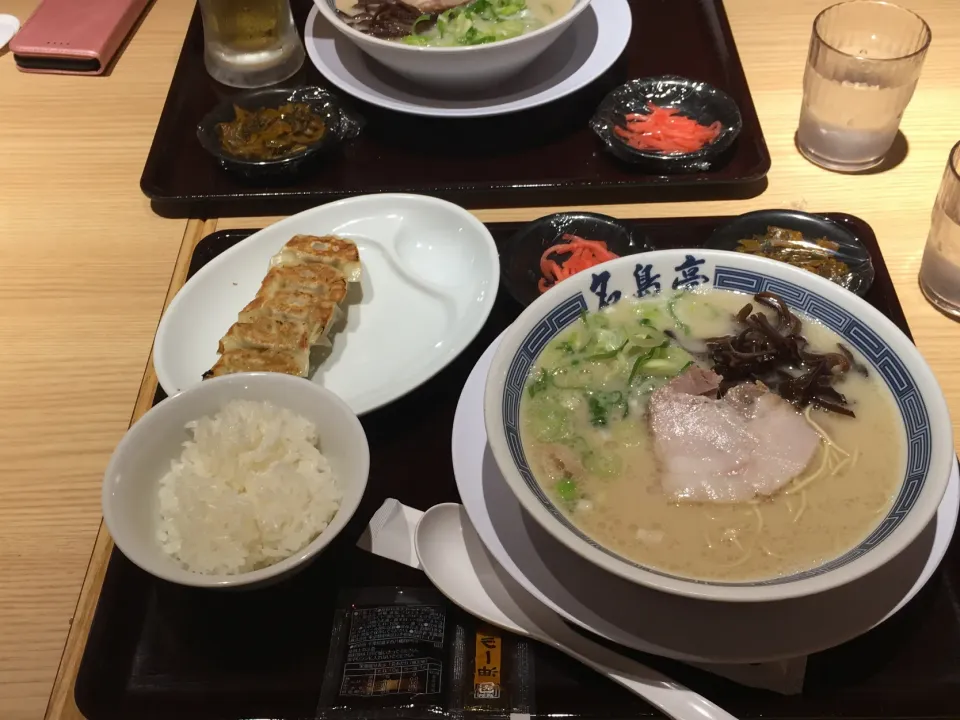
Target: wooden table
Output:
[{"x": 85, "y": 266}]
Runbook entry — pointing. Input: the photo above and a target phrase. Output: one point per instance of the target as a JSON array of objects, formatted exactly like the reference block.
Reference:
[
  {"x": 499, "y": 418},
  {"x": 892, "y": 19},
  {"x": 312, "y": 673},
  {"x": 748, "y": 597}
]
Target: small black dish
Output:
[
  {"x": 697, "y": 100},
  {"x": 851, "y": 251},
  {"x": 341, "y": 124},
  {"x": 520, "y": 257}
]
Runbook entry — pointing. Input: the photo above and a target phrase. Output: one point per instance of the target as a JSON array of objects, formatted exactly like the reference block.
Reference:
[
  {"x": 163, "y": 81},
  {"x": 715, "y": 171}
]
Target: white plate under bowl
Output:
[
  {"x": 660, "y": 623},
  {"x": 587, "y": 50},
  {"x": 430, "y": 276}
]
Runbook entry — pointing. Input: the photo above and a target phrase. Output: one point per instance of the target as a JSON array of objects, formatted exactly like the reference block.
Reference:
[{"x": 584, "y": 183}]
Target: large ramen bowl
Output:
[
  {"x": 920, "y": 411},
  {"x": 456, "y": 68}
]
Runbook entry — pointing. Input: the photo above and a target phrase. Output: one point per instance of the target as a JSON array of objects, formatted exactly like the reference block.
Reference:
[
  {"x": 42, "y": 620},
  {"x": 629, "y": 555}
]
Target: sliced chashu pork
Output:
[{"x": 750, "y": 443}]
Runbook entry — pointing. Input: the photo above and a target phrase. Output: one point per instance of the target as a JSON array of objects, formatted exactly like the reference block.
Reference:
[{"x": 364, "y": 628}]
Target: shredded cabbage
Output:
[{"x": 478, "y": 23}]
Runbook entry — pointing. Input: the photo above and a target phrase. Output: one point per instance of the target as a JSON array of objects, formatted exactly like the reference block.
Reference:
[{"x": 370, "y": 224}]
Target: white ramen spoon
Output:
[{"x": 456, "y": 561}]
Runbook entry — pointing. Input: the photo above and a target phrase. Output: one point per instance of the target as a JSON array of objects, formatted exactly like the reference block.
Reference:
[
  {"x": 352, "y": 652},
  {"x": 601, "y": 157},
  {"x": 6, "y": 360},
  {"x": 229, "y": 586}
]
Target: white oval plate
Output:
[
  {"x": 659, "y": 623},
  {"x": 585, "y": 51},
  {"x": 430, "y": 276}
]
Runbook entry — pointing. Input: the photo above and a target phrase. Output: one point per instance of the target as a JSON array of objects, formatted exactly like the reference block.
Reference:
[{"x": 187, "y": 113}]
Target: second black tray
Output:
[{"x": 543, "y": 156}]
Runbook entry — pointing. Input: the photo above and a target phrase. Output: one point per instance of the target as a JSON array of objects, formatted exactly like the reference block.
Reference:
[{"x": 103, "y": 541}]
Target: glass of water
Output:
[
  {"x": 940, "y": 270},
  {"x": 250, "y": 43},
  {"x": 864, "y": 62}
]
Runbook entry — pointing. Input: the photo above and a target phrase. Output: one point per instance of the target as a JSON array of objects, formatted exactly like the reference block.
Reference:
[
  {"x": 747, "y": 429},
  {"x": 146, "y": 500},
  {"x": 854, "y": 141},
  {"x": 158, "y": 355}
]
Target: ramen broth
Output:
[
  {"x": 613, "y": 494},
  {"x": 546, "y": 11}
]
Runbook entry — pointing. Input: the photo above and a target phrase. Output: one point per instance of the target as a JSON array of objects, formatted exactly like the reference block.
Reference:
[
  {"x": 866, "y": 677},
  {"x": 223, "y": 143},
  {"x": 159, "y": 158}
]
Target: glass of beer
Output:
[
  {"x": 250, "y": 43},
  {"x": 863, "y": 65},
  {"x": 940, "y": 270}
]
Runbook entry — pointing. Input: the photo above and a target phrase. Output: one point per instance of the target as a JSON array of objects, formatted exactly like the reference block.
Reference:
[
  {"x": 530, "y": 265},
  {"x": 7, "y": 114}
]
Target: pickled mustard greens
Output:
[
  {"x": 271, "y": 133},
  {"x": 790, "y": 246}
]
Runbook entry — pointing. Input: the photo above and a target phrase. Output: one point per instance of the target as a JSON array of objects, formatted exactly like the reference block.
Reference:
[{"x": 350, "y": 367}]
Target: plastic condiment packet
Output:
[
  {"x": 390, "y": 535},
  {"x": 406, "y": 653}
]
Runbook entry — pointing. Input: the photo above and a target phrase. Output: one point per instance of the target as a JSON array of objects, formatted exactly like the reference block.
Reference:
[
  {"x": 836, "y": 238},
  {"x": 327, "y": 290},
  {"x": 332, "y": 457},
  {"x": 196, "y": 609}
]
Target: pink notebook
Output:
[{"x": 74, "y": 37}]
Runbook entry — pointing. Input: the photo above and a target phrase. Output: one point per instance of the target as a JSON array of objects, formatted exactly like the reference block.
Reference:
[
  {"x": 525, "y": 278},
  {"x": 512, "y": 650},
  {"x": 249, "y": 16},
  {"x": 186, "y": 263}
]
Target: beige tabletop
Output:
[{"x": 85, "y": 265}]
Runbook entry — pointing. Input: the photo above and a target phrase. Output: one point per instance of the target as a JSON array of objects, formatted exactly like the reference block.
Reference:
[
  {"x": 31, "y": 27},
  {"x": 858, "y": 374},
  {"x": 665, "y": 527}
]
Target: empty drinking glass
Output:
[
  {"x": 250, "y": 43},
  {"x": 940, "y": 270},
  {"x": 863, "y": 65}
]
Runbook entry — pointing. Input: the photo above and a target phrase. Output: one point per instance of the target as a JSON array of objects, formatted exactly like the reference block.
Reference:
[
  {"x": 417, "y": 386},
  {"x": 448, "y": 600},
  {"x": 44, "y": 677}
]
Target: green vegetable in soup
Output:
[
  {"x": 550, "y": 422},
  {"x": 672, "y": 309},
  {"x": 605, "y": 406},
  {"x": 607, "y": 354},
  {"x": 603, "y": 465},
  {"x": 567, "y": 490},
  {"x": 640, "y": 362},
  {"x": 597, "y": 376},
  {"x": 477, "y": 23},
  {"x": 540, "y": 383}
]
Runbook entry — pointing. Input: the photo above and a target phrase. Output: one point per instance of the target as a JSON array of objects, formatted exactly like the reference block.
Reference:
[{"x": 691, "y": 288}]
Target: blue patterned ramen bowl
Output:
[{"x": 920, "y": 409}]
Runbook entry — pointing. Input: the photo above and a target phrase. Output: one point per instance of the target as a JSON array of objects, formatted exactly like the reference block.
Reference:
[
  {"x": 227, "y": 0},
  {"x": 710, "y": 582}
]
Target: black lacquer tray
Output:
[
  {"x": 543, "y": 156},
  {"x": 157, "y": 650}
]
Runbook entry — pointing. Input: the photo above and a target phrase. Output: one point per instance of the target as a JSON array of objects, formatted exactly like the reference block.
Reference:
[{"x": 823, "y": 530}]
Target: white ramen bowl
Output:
[
  {"x": 132, "y": 479},
  {"x": 927, "y": 433},
  {"x": 456, "y": 68}
]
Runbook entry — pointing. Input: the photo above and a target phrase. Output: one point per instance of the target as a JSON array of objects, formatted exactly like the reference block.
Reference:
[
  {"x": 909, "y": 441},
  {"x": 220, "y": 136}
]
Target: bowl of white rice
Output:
[{"x": 235, "y": 481}]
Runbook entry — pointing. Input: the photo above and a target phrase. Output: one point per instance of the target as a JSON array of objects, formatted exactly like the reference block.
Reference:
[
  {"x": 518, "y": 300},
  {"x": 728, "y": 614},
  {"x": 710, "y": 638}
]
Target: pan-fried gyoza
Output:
[{"x": 297, "y": 305}]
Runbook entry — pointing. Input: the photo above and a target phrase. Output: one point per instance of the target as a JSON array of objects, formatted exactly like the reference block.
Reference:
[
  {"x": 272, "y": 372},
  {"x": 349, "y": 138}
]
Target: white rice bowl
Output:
[
  {"x": 249, "y": 489},
  {"x": 155, "y": 447}
]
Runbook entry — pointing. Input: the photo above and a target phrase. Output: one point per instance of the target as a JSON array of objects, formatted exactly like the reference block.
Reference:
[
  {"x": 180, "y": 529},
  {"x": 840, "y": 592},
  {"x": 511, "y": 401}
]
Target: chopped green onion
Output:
[
  {"x": 609, "y": 353},
  {"x": 601, "y": 404},
  {"x": 649, "y": 336},
  {"x": 422, "y": 18},
  {"x": 607, "y": 464},
  {"x": 672, "y": 309},
  {"x": 598, "y": 412},
  {"x": 561, "y": 378},
  {"x": 657, "y": 364},
  {"x": 639, "y": 363},
  {"x": 540, "y": 383},
  {"x": 567, "y": 490}
]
